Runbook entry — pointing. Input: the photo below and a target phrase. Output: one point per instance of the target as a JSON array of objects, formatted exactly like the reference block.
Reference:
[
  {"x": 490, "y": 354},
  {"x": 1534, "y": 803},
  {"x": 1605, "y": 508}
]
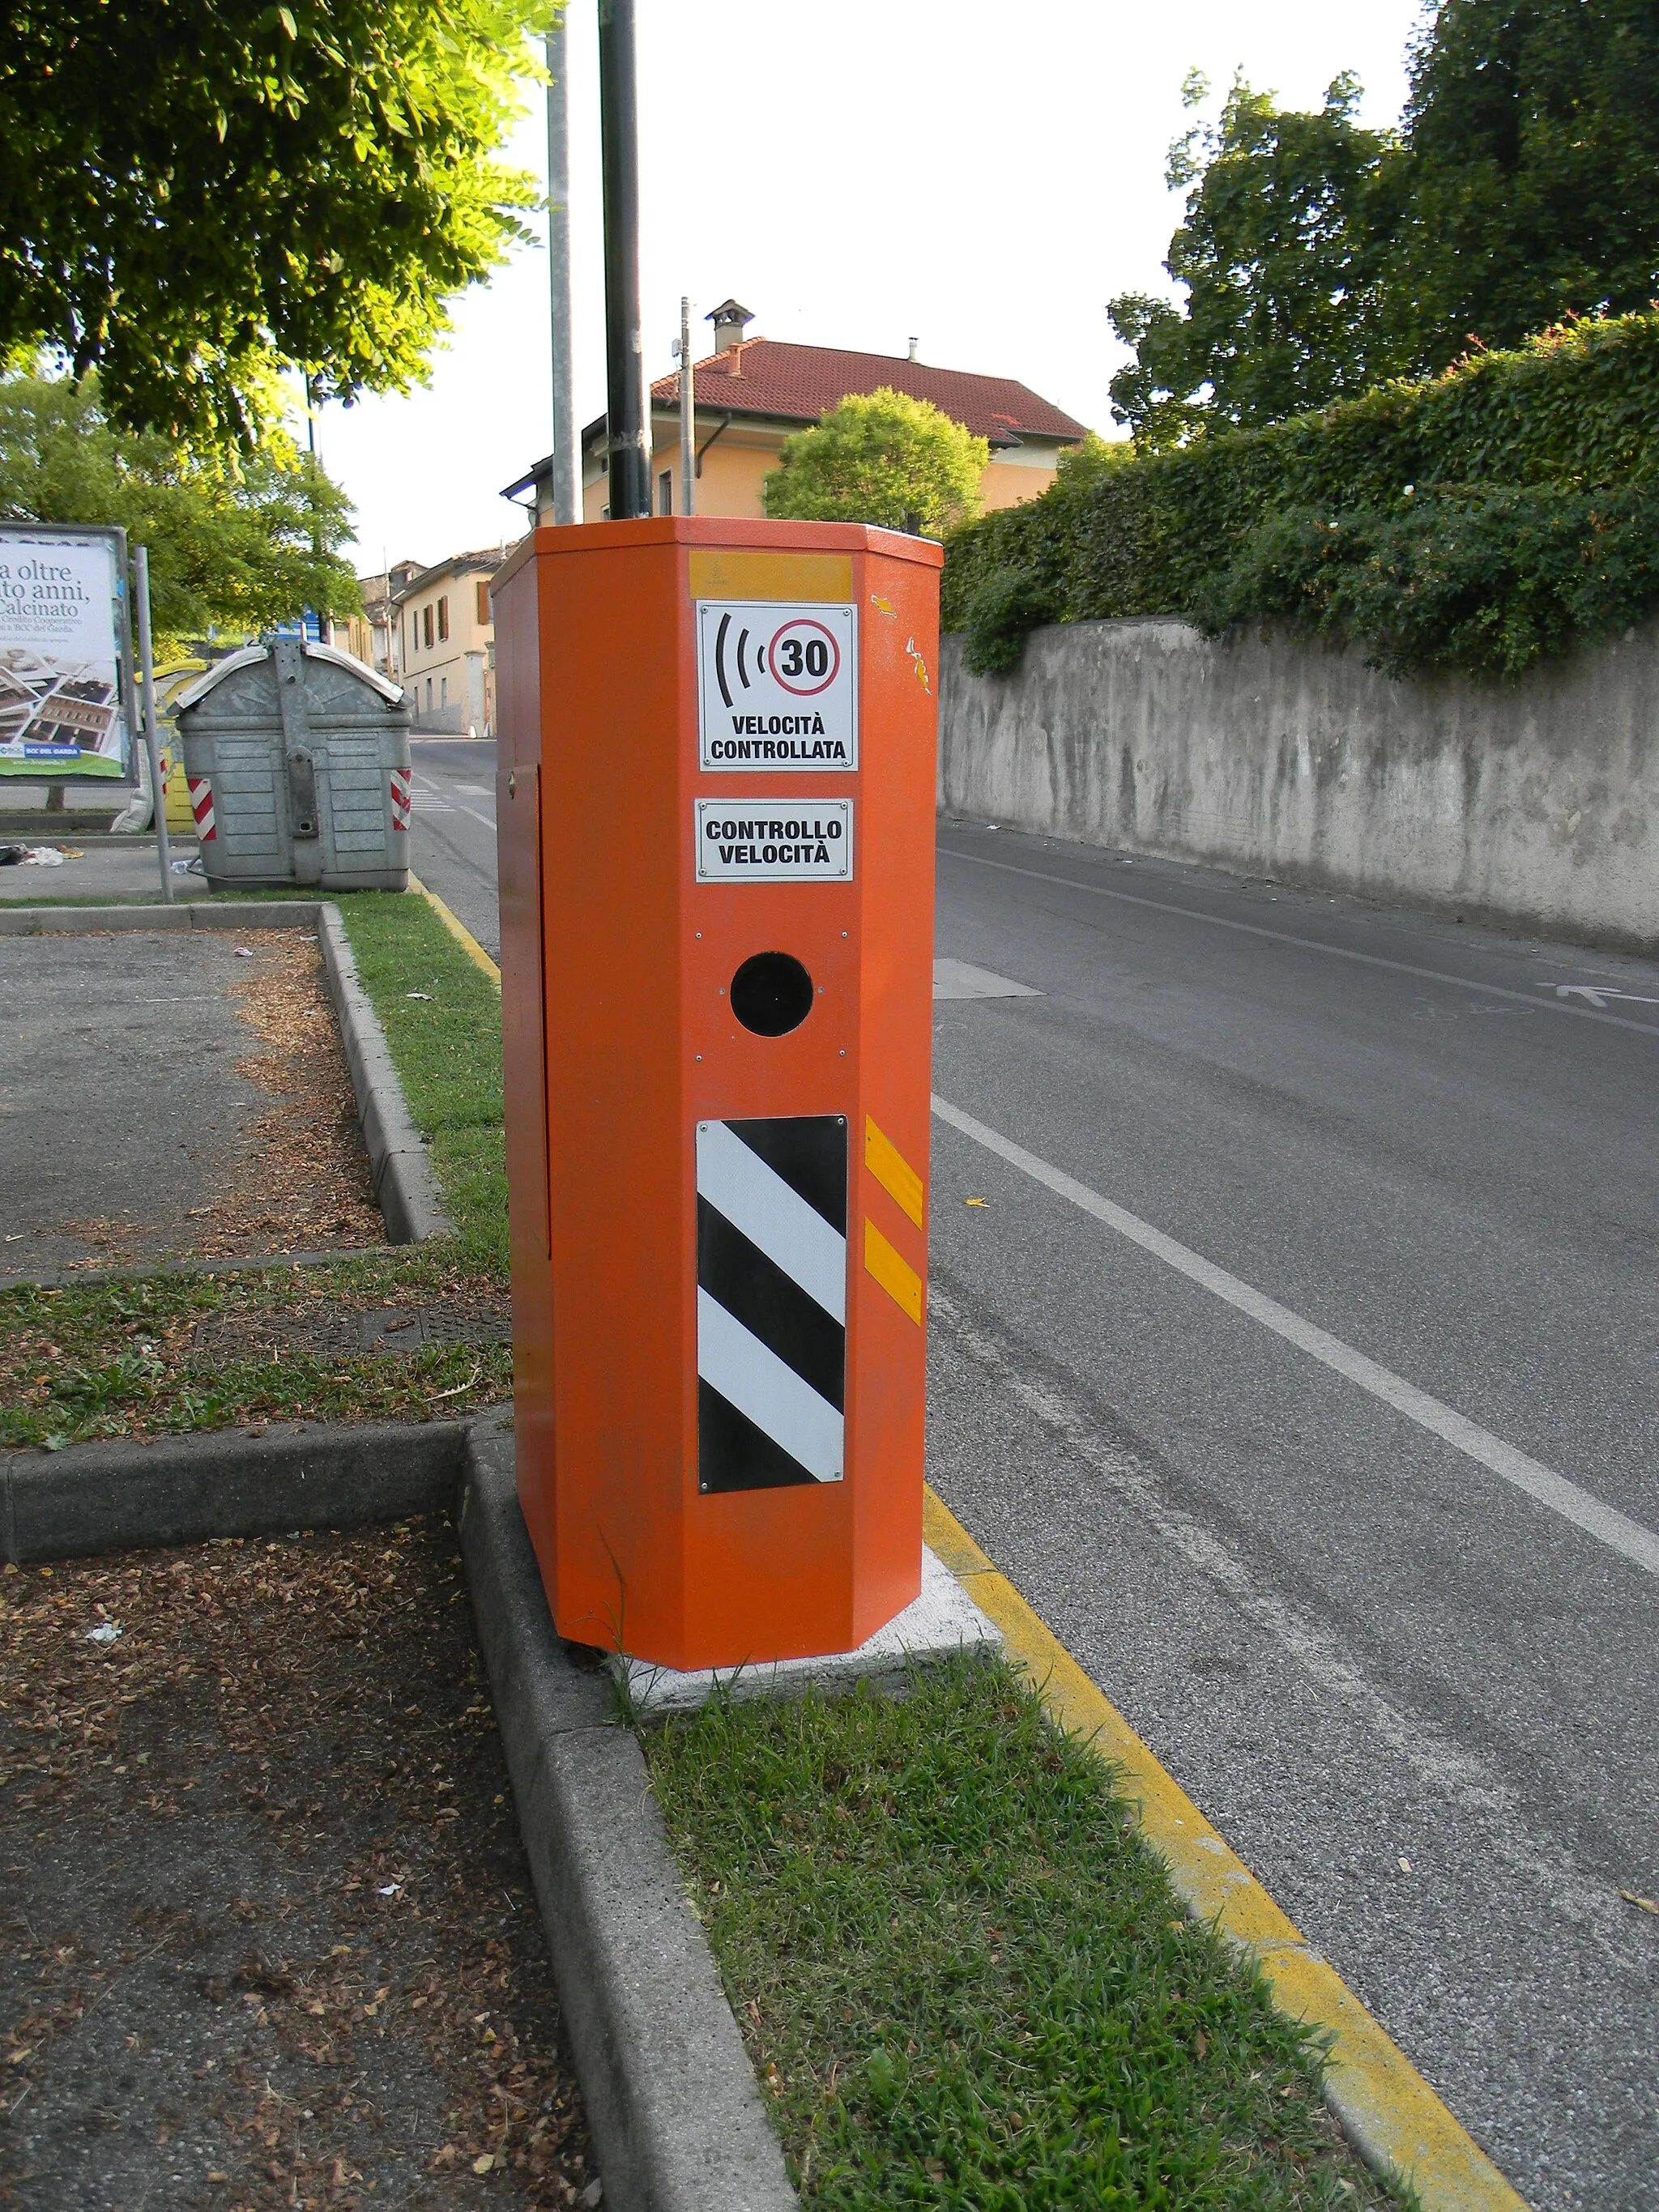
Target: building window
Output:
[
  {"x": 665, "y": 492},
  {"x": 484, "y": 606},
  {"x": 443, "y": 619},
  {"x": 429, "y": 695},
  {"x": 426, "y": 626},
  {"x": 443, "y": 690}
]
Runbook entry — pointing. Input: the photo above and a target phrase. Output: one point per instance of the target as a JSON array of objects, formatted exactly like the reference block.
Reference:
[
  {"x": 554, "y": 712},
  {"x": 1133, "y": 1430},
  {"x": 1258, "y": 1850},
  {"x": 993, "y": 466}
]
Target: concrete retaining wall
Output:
[{"x": 1536, "y": 803}]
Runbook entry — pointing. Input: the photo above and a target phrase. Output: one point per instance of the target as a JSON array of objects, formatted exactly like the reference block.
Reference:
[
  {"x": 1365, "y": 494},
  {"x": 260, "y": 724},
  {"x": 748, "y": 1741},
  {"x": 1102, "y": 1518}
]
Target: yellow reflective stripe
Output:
[
  {"x": 895, "y": 1275},
  {"x": 732, "y": 574},
  {"x": 892, "y": 1171}
]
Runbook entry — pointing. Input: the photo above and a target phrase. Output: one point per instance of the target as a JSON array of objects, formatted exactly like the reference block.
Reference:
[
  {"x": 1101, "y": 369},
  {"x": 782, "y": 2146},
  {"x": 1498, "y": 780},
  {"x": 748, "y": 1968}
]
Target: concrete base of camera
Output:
[{"x": 942, "y": 1622}]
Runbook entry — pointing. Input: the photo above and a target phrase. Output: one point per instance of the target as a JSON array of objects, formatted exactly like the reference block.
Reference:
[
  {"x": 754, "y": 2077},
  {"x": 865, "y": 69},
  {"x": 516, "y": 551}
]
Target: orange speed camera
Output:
[{"x": 715, "y": 809}]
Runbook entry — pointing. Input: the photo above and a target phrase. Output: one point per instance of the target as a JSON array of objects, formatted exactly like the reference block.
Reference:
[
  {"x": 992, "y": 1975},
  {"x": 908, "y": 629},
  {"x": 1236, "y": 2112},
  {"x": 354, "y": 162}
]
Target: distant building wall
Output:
[
  {"x": 444, "y": 638},
  {"x": 738, "y": 460},
  {"x": 1536, "y": 802}
]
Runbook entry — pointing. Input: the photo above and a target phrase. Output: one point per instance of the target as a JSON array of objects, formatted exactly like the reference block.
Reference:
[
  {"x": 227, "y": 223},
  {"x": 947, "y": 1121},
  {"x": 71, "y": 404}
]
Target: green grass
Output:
[
  {"x": 447, "y": 1049},
  {"x": 965, "y": 1981},
  {"x": 101, "y": 1359}
]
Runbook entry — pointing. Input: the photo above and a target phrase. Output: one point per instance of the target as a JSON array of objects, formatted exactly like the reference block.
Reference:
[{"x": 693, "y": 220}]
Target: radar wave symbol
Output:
[{"x": 744, "y": 647}]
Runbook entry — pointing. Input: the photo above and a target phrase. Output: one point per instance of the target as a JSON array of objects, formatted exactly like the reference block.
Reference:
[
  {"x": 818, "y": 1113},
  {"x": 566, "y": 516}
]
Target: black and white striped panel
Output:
[{"x": 771, "y": 1302}]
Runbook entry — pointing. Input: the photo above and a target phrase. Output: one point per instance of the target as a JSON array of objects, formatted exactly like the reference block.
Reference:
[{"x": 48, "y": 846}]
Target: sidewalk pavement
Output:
[{"x": 114, "y": 868}]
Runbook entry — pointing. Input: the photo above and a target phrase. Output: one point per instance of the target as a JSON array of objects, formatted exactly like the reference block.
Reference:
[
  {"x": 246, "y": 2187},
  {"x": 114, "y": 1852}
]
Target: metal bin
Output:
[{"x": 297, "y": 761}]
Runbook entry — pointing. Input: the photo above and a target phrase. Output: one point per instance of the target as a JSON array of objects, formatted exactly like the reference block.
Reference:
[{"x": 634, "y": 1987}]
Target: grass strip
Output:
[
  {"x": 963, "y": 1977},
  {"x": 116, "y": 1358},
  {"x": 442, "y": 1018}
]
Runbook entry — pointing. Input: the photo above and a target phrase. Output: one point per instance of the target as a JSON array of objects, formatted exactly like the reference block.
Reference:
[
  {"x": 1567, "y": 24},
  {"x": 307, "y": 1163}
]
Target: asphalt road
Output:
[
  {"x": 1299, "y": 1369},
  {"x": 453, "y": 829}
]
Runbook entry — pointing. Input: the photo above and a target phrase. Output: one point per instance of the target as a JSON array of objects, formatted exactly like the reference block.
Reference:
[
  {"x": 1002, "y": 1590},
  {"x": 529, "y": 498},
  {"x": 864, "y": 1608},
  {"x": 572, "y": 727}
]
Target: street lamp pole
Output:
[
  {"x": 688, "y": 415},
  {"x": 630, "y": 465},
  {"x": 558, "y": 272}
]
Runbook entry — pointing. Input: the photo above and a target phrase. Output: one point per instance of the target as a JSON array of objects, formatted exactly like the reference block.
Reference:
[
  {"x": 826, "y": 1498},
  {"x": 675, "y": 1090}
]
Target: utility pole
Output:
[
  {"x": 688, "y": 415},
  {"x": 325, "y": 627},
  {"x": 558, "y": 272},
  {"x": 631, "y": 464},
  {"x": 152, "y": 738}
]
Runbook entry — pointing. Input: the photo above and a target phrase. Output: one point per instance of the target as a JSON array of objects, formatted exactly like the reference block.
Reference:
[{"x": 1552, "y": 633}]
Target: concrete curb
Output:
[
  {"x": 1387, "y": 2111},
  {"x": 404, "y": 1187},
  {"x": 676, "y": 2117},
  {"x": 126, "y": 1495},
  {"x": 186, "y": 913}
]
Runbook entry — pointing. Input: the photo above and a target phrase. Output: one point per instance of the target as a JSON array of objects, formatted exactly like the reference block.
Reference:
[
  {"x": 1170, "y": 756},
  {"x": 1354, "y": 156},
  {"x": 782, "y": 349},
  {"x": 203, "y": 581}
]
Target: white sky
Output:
[{"x": 984, "y": 177}]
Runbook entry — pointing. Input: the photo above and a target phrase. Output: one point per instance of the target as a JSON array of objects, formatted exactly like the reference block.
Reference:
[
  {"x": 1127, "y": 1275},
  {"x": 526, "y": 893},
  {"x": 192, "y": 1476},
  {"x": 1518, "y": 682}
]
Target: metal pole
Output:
[
  {"x": 152, "y": 747},
  {"x": 630, "y": 464},
  {"x": 688, "y": 415},
  {"x": 558, "y": 273},
  {"x": 324, "y": 626}
]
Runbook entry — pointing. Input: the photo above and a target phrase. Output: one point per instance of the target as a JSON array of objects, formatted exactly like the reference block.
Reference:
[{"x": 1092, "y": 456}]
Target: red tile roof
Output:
[{"x": 800, "y": 381}]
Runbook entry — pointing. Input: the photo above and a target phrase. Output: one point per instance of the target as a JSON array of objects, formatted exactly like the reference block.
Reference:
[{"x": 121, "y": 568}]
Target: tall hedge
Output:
[{"x": 1481, "y": 520}]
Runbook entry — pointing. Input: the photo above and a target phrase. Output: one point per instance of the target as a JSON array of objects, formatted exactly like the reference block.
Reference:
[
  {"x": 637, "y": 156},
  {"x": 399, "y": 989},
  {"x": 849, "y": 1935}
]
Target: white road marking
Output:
[
  {"x": 1597, "y": 995},
  {"x": 440, "y": 806},
  {"x": 957, "y": 979},
  {"x": 1307, "y": 943},
  {"x": 1474, "y": 1779},
  {"x": 1605, "y": 1523}
]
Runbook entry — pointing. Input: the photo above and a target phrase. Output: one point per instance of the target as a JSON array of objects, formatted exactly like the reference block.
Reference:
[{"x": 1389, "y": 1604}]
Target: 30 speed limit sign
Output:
[{"x": 777, "y": 685}]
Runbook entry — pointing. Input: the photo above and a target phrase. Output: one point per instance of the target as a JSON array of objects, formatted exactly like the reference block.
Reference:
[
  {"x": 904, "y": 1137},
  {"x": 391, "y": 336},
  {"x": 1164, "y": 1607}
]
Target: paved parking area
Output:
[{"x": 172, "y": 1093}]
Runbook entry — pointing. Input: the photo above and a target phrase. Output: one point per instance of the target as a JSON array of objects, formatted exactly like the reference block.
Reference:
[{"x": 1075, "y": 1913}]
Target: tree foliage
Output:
[
  {"x": 188, "y": 185},
  {"x": 1533, "y": 132},
  {"x": 880, "y": 457},
  {"x": 237, "y": 540},
  {"x": 1283, "y": 251},
  {"x": 1319, "y": 257}
]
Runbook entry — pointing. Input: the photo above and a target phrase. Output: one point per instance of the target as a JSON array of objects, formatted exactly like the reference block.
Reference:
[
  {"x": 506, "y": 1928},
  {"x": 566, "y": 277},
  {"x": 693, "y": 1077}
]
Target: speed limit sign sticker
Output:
[{"x": 777, "y": 685}]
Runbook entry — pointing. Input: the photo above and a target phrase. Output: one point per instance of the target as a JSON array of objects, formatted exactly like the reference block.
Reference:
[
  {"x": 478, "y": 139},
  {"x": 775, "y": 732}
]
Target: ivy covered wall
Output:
[{"x": 1483, "y": 520}]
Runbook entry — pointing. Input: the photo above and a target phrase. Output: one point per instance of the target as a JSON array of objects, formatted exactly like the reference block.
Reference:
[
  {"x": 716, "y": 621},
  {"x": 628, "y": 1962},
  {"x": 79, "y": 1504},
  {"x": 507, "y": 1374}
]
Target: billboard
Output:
[{"x": 64, "y": 655}]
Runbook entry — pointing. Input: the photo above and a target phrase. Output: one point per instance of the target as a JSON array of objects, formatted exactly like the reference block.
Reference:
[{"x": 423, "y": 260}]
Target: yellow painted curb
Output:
[
  {"x": 1388, "y": 2111},
  {"x": 459, "y": 930}
]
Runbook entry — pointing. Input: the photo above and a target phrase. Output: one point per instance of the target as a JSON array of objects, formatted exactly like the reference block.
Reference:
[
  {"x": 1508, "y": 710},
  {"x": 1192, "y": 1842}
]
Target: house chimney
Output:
[
  {"x": 730, "y": 321},
  {"x": 914, "y": 343}
]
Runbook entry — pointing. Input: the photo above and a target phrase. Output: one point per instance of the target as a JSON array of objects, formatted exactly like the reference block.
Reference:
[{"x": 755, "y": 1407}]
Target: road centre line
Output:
[
  {"x": 1307, "y": 943},
  {"x": 1541, "y": 1484}
]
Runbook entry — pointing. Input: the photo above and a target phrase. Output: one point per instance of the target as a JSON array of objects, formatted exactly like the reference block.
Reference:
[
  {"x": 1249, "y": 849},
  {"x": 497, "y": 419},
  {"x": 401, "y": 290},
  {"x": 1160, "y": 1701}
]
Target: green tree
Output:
[
  {"x": 187, "y": 184},
  {"x": 1319, "y": 257},
  {"x": 237, "y": 539},
  {"x": 881, "y": 458},
  {"x": 1534, "y": 131},
  {"x": 1289, "y": 221}
]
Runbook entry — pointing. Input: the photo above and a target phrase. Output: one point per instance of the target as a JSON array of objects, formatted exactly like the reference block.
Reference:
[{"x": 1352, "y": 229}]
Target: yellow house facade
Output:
[
  {"x": 443, "y": 639},
  {"x": 752, "y": 393}
]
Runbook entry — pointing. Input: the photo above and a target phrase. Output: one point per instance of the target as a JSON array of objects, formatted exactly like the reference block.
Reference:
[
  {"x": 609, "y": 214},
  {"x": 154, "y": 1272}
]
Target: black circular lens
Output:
[{"x": 771, "y": 994}]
